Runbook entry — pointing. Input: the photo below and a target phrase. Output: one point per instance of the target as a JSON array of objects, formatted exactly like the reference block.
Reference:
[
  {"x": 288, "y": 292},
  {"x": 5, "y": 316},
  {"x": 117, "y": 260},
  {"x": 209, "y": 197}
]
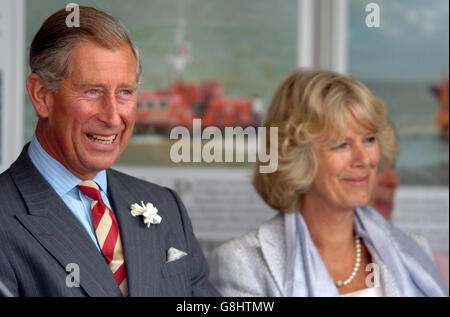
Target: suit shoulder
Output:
[
  {"x": 7, "y": 188},
  {"x": 251, "y": 241},
  {"x": 5, "y": 177},
  {"x": 246, "y": 244}
]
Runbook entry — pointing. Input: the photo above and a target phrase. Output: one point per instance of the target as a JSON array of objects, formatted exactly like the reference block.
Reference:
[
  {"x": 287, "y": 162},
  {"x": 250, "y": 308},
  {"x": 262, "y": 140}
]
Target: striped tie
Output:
[{"x": 107, "y": 232}]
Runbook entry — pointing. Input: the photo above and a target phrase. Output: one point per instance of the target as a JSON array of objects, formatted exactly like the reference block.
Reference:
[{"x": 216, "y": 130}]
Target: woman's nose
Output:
[{"x": 361, "y": 155}]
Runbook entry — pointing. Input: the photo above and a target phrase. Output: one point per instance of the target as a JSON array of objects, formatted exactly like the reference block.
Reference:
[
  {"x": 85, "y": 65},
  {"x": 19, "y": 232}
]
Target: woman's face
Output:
[{"x": 346, "y": 171}]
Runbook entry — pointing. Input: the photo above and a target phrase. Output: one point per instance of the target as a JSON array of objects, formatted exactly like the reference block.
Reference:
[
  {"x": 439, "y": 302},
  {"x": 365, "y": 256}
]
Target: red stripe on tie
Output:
[
  {"x": 97, "y": 214},
  {"x": 120, "y": 274},
  {"x": 92, "y": 193}
]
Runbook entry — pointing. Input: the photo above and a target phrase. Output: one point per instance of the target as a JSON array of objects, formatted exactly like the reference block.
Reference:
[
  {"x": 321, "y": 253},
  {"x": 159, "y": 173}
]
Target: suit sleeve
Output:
[{"x": 200, "y": 285}]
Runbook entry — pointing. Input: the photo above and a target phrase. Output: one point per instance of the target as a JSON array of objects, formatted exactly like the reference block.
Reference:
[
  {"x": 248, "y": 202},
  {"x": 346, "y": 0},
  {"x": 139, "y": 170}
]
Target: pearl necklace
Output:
[{"x": 340, "y": 283}]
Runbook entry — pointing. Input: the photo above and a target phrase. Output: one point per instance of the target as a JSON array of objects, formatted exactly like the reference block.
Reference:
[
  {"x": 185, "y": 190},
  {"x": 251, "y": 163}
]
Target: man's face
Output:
[{"x": 91, "y": 116}]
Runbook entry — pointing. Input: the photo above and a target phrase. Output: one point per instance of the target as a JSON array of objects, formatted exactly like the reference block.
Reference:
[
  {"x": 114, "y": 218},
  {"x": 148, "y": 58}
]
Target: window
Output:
[{"x": 401, "y": 61}]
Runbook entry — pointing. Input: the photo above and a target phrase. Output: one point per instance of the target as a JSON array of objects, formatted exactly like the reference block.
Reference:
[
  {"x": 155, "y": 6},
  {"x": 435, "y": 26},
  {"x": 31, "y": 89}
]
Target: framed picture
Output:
[{"x": 215, "y": 63}]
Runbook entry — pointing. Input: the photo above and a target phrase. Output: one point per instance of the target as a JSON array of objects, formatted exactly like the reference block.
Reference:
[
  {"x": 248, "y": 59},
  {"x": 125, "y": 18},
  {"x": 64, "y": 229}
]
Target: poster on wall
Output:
[{"x": 215, "y": 63}]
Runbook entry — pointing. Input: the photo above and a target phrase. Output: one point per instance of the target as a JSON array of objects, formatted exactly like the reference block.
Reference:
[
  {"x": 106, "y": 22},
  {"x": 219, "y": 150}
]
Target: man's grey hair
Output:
[{"x": 52, "y": 45}]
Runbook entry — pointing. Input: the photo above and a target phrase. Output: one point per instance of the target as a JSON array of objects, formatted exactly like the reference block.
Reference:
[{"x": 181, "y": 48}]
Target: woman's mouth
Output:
[{"x": 357, "y": 180}]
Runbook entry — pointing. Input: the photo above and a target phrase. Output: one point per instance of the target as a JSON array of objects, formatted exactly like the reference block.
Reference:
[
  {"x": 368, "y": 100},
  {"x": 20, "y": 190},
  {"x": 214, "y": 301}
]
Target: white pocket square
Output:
[{"x": 174, "y": 254}]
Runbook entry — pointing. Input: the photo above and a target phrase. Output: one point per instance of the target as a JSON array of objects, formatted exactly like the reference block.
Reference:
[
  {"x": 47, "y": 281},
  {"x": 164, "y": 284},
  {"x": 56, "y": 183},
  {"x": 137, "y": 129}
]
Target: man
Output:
[
  {"x": 383, "y": 199},
  {"x": 383, "y": 193},
  {"x": 66, "y": 227}
]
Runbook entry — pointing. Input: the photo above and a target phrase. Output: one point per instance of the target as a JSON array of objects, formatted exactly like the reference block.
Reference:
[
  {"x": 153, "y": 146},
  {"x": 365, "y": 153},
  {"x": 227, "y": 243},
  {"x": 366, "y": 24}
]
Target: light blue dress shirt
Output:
[{"x": 65, "y": 185}]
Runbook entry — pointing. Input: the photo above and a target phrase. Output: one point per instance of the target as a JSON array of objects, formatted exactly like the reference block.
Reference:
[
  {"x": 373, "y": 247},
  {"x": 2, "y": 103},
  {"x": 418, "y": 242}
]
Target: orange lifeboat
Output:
[{"x": 442, "y": 117}]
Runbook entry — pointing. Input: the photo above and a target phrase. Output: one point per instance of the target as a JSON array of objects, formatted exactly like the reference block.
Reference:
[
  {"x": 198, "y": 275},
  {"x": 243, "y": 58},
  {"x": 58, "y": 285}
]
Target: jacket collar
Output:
[{"x": 273, "y": 245}]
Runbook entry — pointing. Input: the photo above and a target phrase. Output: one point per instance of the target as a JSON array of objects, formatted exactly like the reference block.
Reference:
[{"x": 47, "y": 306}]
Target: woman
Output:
[{"x": 333, "y": 138}]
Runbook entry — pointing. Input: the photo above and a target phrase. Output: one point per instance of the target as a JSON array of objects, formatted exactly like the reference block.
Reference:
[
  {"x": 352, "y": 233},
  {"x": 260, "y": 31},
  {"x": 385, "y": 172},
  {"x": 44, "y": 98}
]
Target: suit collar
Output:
[
  {"x": 273, "y": 245},
  {"x": 58, "y": 231}
]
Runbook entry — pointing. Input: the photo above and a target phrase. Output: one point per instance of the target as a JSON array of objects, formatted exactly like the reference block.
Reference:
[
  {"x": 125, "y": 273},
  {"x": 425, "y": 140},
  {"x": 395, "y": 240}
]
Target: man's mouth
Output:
[{"x": 102, "y": 139}]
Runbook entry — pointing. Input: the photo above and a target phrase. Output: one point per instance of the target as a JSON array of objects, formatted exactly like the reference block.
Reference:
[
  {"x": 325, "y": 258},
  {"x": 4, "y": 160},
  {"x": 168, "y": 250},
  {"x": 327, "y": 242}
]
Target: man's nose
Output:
[{"x": 109, "y": 113}]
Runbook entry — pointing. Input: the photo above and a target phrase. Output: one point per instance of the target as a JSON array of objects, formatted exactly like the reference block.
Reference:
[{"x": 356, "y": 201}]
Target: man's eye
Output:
[
  {"x": 92, "y": 91},
  {"x": 127, "y": 92}
]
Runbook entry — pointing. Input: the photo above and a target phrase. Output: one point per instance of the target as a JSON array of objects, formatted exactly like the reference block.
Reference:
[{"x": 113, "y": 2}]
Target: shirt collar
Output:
[{"x": 56, "y": 174}]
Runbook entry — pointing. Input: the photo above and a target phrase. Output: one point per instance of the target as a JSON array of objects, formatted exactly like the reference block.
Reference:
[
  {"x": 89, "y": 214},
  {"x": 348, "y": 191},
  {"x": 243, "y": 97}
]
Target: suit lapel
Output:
[
  {"x": 58, "y": 231},
  {"x": 142, "y": 248}
]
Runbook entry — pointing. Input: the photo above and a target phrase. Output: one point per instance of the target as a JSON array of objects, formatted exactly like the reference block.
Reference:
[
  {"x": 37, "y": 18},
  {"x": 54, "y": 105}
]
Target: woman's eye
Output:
[
  {"x": 341, "y": 146},
  {"x": 371, "y": 139}
]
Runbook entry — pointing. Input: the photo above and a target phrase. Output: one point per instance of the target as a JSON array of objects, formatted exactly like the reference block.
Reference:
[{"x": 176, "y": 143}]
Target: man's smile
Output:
[{"x": 102, "y": 139}]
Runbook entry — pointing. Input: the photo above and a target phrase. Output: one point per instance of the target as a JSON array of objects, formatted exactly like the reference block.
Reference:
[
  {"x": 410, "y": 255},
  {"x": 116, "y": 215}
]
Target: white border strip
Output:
[{"x": 12, "y": 66}]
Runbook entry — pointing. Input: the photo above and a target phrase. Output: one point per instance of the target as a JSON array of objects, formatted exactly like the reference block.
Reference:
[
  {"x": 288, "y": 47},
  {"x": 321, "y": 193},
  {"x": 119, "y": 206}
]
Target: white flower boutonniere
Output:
[{"x": 149, "y": 212}]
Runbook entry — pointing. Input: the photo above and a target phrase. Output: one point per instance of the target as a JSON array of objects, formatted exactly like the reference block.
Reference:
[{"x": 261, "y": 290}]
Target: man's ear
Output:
[{"x": 41, "y": 97}]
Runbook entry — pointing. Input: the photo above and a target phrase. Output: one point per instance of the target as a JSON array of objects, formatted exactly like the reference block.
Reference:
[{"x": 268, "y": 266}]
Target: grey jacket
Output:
[
  {"x": 254, "y": 264},
  {"x": 40, "y": 237}
]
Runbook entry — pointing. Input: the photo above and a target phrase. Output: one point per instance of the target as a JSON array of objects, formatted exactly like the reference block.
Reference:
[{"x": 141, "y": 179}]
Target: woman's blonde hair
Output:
[{"x": 308, "y": 105}]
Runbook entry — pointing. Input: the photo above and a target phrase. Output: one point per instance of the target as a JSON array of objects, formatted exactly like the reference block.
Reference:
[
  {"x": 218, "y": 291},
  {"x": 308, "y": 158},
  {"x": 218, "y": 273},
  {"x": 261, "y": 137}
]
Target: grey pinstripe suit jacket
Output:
[{"x": 39, "y": 237}]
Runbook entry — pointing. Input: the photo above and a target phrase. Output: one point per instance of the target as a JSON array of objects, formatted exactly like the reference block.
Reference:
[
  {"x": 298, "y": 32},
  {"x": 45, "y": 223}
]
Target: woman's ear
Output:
[{"x": 41, "y": 97}]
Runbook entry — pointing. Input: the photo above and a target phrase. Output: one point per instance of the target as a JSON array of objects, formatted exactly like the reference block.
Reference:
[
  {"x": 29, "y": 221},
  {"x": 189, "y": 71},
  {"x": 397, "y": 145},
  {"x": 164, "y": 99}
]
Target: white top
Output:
[{"x": 366, "y": 292}]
